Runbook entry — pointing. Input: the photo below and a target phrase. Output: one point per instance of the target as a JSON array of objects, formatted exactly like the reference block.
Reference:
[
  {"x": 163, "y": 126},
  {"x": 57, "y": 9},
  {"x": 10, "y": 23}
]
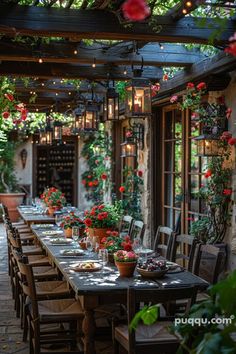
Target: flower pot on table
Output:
[
  {"x": 68, "y": 232},
  {"x": 99, "y": 233},
  {"x": 126, "y": 269}
]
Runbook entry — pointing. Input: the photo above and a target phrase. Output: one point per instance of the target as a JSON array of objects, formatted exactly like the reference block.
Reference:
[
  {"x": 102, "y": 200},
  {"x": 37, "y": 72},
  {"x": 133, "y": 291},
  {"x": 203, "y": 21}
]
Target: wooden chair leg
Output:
[
  {"x": 116, "y": 346},
  {"x": 25, "y": 323}
]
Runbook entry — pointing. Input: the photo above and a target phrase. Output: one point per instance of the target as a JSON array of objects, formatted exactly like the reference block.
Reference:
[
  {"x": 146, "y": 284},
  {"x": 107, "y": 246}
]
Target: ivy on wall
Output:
[{"x": 97, "y": 153}]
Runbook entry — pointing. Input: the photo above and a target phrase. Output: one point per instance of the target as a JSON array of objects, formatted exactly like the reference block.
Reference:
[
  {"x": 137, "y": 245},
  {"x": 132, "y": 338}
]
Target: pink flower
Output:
[
  {"x": 174, "y": 99},
  {"x": 194, "y": 115},
  {"x": 129, "y": 134},
  {"x": 228, "y": 112},
  {"x": 136, "y": 10}
]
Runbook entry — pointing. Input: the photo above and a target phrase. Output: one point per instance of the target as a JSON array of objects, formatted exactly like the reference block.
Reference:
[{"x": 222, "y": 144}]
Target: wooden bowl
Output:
[{"x": 152, "y": 274}]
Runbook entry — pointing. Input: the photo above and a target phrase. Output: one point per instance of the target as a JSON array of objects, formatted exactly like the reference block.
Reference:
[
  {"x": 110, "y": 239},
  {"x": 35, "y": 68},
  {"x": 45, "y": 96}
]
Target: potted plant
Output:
[
  {"x": 10, "y": 194},
  {"x": 100, "y": 219},
  {"x": 126, "y": 262},
  {"x": 71, "y": 220},
  {"x": 114, "y": 243},
  {"x": 54, "y": 199}
]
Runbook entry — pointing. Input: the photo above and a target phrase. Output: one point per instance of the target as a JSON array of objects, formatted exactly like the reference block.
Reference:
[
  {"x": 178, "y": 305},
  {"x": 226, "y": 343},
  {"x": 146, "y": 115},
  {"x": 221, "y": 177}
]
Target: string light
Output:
[
  {"x": 125, "y": 71},
  {"x": 54, "y": 82},
  {"x": 37, "y": 109},
  {"x": 40, "y": 60},
  {"x": 94, "y": 63},
  {"x": 75, "y": 51},
  {"x": 188, "y": 3},
  {"x": 161, "y": 46},
  {"x": 184, "y": 11},
  {"x": 42, "y": 84},
  {"x": 56, "y": 93},
  {"x": 68, "y": 105}
]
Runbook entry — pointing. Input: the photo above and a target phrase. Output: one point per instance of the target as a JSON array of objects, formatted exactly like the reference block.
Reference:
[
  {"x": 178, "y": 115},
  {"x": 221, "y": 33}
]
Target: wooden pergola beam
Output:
[
  {"x": 71, "y": 71},
  {"x": 101, "y": 24},
  {"x": 153, "y": 55},
  {"x": 221, "y": 63}
]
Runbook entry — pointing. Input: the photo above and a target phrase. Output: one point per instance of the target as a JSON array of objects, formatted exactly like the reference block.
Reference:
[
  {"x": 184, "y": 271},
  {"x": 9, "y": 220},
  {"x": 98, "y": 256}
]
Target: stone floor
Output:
[{"x": 10, "y": 331}]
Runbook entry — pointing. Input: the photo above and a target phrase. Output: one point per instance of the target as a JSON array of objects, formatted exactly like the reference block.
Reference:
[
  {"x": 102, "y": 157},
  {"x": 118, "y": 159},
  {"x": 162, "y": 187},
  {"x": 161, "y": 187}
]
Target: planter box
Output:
[{"x": 12, "y": 201}]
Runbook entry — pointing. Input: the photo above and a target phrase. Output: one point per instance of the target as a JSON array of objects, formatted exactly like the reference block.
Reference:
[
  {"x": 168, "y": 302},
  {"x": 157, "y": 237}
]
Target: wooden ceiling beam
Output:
[
  {"x": 221, "y": 63},
  {"x": 101, "y": 24},
  {"x": 153, "y": 55},
  {"x": 71, "y": 71}
]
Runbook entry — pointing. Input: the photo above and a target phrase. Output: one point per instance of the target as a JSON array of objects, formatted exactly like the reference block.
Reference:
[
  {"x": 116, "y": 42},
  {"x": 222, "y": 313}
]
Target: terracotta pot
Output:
[
  {"x": 100, "y": 233},
  {"x": 68, "y": 232},
  {"x": 51, "y": 210},
  {"x": 126, "y": 269},
  {"x": 12, "y": 201}
]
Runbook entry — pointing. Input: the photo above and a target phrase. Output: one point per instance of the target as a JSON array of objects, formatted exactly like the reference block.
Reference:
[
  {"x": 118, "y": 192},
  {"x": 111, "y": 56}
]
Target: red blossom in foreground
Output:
[
  {"x": 5, "y": 115},
  {"x": 104, "y": 176},
  {"x": 136, "y": 10},
  {"x": 208, "y": 174},
  {"x": 190, "y": 85},
  {"x": 226, "y": 135},
  {"x": 174, "y": 99},
  {"x": 9, "y": 97},
  {"x": 90, "y": 184},
  {"x": 122, "y": 189},
  {"x": 227, "y": 192},
  {"x": 88, "y": 222},
  {"x": 201, "y": 86},
  {"x": 232, "y": 141},
  {"x": 228, "y": 112},
  {"x": 231, "y": 49}
]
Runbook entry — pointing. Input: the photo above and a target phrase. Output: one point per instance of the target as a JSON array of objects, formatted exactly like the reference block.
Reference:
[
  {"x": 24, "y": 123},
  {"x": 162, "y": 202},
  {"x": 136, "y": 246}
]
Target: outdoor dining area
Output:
[{"x": 117, "y": 177}]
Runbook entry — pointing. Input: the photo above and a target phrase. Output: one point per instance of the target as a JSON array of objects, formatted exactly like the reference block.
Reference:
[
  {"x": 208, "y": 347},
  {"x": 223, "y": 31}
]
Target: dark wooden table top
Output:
[
  {"x": 31, "y": 216},
  {"x": 107, "y": 280}
]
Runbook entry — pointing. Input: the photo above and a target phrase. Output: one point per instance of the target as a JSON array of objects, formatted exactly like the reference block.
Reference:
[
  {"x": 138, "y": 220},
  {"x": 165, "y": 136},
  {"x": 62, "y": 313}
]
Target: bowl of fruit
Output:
[{"x": 152, "y": 268}]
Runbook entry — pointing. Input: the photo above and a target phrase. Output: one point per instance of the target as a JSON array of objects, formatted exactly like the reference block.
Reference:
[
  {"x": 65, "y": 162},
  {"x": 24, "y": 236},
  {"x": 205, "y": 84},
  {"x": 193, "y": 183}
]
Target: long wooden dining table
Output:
[
  {"x": 31, "y": 215},
  {"x": 104, "y": 286}
]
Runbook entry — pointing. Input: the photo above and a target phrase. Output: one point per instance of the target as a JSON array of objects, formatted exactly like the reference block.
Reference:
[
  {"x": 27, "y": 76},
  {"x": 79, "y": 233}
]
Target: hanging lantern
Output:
[
  {"x": 208, "y": 144},
  {"x": 57, "y": 131},
  {"x": 42, "y": 137},
  {"x": 111, "y": 105},
  {"x": 78, "y": 119},
  {"x": 138, "y": 96},
  {"x": 90, "y": 117},
  {"x": 129, "y": 146},
  {"x": 48, "y": 132}
]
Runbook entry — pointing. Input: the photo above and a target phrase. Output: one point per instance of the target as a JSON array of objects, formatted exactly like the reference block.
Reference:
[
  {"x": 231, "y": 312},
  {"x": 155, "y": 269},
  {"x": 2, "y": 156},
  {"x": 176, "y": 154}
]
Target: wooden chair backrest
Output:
[
  {"x": 163, "y": 241},
  {"x": 155, "y": 296},
  {"x": 186, "y": 248},
  {"x": 137, "y": 230},
  {"x": 209, "y": 263},
  {"x": 126, "y": 224}
]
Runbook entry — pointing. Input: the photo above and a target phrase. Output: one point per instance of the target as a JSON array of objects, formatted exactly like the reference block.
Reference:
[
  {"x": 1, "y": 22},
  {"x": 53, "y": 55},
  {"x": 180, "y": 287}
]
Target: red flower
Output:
[
  {"x": 231, "y": 49},
  {"x": 90, "y": 184},
  {"x": 140, "y": 173},
  {"x": 88, "y": 222},
  {"x": 102, "y": 206},
  {"x": 83, "y": 182},
  {"x": 122, "y": 189},
  {"x": 128, "y": 247},
  {"x": 227, "y": 191},
  {"x": 201, "y": 86},
  {"x": 95, "y": 183},
  {"x": 135, "y": 10},
  {"x": 165, "y": 77},
  {"x": 226, "y": 136},
  {"x": 89, "y": 176},
  {"x": 221, "y": 99},
  {"x": 114, "y": 233},
  {"x": 208, "y": 174},
  {"x": 228, "y": 112},
  {"x": 232, "y": 141},
  {"x": 5, "y": 115},
  {"x": 129, "y": 134},
  {"x": 190, "y": 85},
  {"x": 9, "y": 96},
  {"x": 103, "y": 176}
]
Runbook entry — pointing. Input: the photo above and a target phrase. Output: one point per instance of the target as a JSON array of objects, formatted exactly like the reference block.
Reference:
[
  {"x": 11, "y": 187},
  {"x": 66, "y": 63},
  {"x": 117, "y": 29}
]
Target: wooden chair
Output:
[
  {"x": 185, "y": 249},
  {"x": 155, "y": 338},
  {"x": 137, "y": 230},
  {"x": 65, "y": 313},
  {"x": 163, "y": 241},
  {"x": 20, "y": 224},
  {"x": 125, "y": 225}
]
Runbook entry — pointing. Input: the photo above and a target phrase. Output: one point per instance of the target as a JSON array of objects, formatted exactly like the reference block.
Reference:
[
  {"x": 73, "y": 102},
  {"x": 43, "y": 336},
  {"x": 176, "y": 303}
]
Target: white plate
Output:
[
  {"x": 72, "y": 253},
  {"x": 144, "y": 251},
  {"x": 60, "y": 241},
  {"x": 79, "y": 267},
  {"x": 43, "y": 226},
  {"x": 52, "y": 232}
]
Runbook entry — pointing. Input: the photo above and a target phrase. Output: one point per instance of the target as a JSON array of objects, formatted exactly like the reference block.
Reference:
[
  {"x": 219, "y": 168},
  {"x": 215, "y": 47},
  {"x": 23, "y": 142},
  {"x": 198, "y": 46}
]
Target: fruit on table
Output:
[{"x": 152, "y": 264}]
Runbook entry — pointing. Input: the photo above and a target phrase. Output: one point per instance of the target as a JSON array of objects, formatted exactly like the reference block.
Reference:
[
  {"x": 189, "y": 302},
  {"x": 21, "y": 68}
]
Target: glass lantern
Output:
[
  {"x": 208, "y": 145},
  {"x": 90, "y": 117},
  {"x": 57, "y": 131},
  {"x": 42, "y": 137},
  {"x": 129, "y": 148},
  {"x": 111, "y": 105},
  {"x": 138, "y": 98},
  {"x": 78, "y": 119}
]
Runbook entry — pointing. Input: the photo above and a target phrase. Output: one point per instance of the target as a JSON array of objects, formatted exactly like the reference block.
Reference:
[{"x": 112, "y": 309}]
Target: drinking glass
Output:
[
  {"x": 103, "y": 257},
  {"x": 75, "y": 233},
  {"x": 136, "y": 245},
  {"x": 89, "y": 244},
  {"x": 58, "y": 219}
]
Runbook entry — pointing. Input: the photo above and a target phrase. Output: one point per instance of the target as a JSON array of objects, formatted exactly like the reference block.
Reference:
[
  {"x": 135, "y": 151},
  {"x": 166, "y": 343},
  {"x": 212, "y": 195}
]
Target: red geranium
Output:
[
  {"x": 95, "y": 182},
  {"x": 190, "y": 85},
  {"x": 88, "y": 222},
  {"x": 140, "y": 173},
  {"x": 232, "y": 141},
  {"x": 5, "y": 115},
  {"x": 90, "y": 184},
  {"x": 9, "y": 96},
  {"x": 83, "y": 182},
  {"x": 201, "y": 86},
  {"x": 174, "y": 99},
  {"x": 136, "y": 10},
  {"x": 104, "y": 176},
  {"x": 208, "y": 174},
  {"x": 226, "y": 135},
  {"x": 122, "y": 189},
  {"x": 227, "y": 192},
  {"x": 228, "y": 112}
]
